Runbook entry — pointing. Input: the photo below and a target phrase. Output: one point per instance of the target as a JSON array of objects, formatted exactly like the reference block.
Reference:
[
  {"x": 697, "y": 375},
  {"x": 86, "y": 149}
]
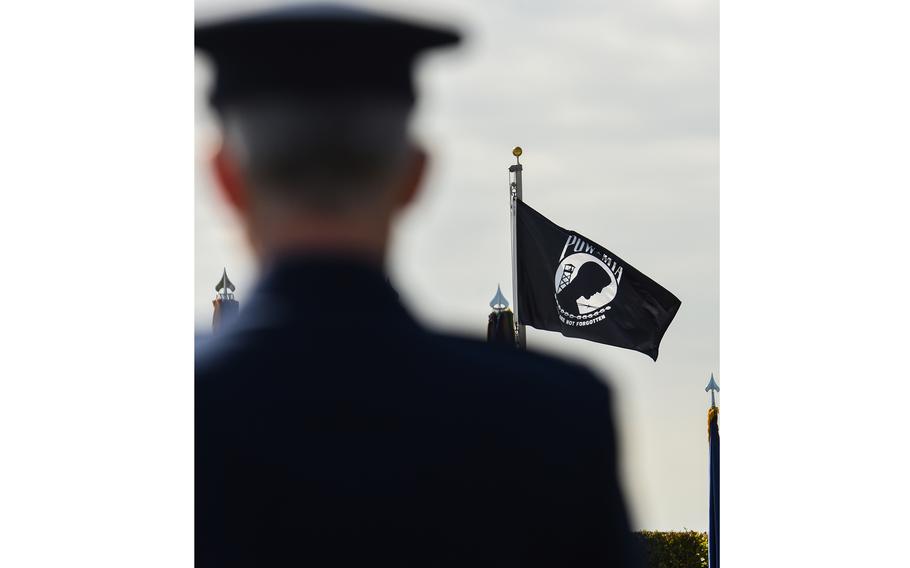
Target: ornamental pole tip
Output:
[
  {"x": 225, "y": 283},
  {"x": 712, "y": 385},
  {"x": 499, "y": 302}
]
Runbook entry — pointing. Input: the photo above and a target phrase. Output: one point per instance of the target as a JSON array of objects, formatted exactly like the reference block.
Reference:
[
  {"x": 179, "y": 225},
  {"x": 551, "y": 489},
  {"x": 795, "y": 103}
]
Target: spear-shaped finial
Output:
[
  {"x": 226, "y": 307},
  {"x": 224, "y": 284},
  {"x": 712, "y": 386},
  {"x": 499, "y": 302}
]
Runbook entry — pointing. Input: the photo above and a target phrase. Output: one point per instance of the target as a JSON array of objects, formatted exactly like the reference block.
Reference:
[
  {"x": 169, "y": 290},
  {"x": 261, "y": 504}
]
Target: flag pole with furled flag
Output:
[
  {"x": 501, "y": 326},
  {"x": 226, "y": 306},
  {"x": 713, "y": 479}
]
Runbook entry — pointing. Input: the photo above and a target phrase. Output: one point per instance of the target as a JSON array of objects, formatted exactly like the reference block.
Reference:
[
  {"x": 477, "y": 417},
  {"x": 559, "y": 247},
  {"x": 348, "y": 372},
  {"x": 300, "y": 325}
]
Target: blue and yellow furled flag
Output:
[{"x": 713, "y": 479}]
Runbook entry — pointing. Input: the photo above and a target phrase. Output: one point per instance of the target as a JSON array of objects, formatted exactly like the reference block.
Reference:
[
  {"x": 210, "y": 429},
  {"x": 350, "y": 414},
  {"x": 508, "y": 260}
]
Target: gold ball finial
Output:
[{"x": 516, "y": 151}]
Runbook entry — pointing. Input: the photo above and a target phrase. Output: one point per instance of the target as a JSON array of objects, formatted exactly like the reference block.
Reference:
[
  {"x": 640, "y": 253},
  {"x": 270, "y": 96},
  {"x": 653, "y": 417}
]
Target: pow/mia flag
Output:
[{"x": 570, "y": 284}]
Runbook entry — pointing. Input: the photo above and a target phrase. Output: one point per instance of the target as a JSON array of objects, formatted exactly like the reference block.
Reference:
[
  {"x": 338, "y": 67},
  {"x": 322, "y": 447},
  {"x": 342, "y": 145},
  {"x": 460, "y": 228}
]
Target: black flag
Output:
[{"x": 570, "y": 284}]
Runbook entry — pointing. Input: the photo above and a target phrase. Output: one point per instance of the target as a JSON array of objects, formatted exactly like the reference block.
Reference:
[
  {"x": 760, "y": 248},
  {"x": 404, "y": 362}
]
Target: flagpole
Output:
[
  {"x": 515, "y": 194},
  {"x": 713, "y": 479}
]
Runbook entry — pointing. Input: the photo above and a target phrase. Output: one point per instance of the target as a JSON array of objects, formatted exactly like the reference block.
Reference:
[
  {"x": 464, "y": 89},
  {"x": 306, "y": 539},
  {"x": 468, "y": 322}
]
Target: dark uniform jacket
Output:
[{"x": 331, "y": 429}]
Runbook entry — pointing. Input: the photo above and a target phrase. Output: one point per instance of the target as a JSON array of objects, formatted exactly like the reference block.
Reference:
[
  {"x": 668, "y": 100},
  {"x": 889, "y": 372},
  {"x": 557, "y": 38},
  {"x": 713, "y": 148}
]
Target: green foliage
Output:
[{"x": 678, "y": 549}]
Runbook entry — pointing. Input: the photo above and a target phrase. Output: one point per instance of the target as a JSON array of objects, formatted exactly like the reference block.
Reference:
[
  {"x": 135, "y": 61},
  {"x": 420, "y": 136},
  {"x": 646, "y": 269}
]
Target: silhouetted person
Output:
[
  {"x": 331, "y": 432},
  {"x": 591, "y": 279}
]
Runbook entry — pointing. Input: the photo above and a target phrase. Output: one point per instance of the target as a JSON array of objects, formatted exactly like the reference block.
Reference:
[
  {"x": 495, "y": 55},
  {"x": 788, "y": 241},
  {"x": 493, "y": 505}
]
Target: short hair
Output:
[{"x": 323, "y": 153}]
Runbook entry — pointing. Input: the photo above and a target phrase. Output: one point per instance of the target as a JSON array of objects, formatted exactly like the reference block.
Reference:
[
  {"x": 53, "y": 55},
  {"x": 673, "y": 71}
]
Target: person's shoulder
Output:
[
  {"x": 219, "y": 359},
  {"x": 521, "y": 371},
  {"x": 472, "y": 349}
]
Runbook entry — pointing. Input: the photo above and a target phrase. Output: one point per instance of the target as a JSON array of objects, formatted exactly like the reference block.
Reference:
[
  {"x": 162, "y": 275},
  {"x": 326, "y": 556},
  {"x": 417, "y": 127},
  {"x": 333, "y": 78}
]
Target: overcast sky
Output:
[{"x": 615, "y": 104}]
